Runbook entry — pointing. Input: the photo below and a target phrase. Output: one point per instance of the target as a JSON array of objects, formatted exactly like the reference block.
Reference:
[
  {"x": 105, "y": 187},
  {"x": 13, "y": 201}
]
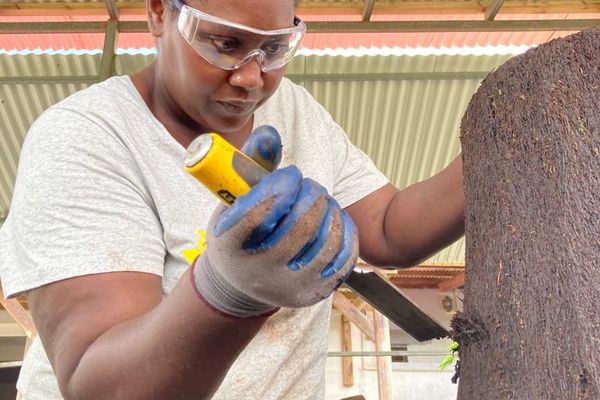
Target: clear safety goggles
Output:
[{"x": 229, "y": 45}]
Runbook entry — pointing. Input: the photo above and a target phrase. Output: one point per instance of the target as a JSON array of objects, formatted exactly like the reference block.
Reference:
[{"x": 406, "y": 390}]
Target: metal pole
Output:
[{"x": 383, "y": 354}]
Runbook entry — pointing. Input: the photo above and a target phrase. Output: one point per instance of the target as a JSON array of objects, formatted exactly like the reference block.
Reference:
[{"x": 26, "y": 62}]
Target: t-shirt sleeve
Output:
[
  {"x": 347, "y": 172},
  {"x": 356, "y": 176},
  {"x": 79, "y": 207}
]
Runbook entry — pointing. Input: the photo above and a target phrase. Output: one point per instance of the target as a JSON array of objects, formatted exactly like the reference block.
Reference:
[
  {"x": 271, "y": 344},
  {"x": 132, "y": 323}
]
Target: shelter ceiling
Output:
[{"x": 365, "y": 10}]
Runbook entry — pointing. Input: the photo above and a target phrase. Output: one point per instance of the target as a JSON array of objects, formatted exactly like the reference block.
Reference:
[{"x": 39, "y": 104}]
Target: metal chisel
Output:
[{"x": 229, "y": 173}]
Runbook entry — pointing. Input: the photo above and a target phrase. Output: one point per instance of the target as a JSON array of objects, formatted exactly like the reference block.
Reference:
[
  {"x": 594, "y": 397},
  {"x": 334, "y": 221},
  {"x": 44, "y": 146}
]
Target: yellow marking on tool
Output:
[
  {"x": 192, "y": 253},
  {"x": 222, "y": 168}
]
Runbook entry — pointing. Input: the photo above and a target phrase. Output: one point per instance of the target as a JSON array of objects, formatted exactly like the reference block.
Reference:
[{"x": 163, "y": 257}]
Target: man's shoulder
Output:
[
  {"x": 113, "y": 96},
  {"x": 101, "y": 112}
]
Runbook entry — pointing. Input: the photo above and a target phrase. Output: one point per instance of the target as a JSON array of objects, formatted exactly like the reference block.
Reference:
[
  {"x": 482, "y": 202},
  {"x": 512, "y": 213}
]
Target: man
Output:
[{"x": 103, "y": 214}]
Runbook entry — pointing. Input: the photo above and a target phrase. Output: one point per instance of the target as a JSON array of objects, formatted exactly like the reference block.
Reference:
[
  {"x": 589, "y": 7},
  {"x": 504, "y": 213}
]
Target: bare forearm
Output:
[
  {"x": 181, "y": 349},
  {"x": 399, "y": 228},
  {"x": 426, "y": 217}
]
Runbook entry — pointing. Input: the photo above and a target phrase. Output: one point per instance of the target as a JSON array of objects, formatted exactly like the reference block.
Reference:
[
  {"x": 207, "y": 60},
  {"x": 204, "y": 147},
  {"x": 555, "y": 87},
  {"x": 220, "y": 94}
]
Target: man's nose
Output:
[{"x": 249, "y": 75}]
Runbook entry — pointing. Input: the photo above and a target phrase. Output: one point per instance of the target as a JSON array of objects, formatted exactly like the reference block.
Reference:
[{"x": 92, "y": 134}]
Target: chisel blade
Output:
[{"x": 374, "y": 288}]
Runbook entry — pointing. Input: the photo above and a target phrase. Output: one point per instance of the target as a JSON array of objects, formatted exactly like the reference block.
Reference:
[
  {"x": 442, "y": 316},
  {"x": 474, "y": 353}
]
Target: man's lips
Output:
[{"x": 237, "y": 107}]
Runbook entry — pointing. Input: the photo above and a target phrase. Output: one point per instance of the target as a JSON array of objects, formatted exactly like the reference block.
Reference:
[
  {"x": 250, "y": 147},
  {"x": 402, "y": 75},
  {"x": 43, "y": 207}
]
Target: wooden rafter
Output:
[
  {"x": 444, "y": 7},
  {"x": 107, "y": 65},
  {"x": 316, "y": 7},
  {"x": 112, "y": 9},
  {"x": 368, "y": 10},
  {"x": 523, "y": 25},
  {"x": 492, "y": 9}
]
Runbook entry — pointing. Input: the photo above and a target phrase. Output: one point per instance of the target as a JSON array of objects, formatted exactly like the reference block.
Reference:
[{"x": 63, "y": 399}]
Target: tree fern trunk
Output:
[{"x": 531, "y": 146}]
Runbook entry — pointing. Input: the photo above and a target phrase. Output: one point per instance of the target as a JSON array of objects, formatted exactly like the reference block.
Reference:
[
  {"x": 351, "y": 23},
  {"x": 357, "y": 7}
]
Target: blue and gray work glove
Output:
[{"x": 286, "y": 243}]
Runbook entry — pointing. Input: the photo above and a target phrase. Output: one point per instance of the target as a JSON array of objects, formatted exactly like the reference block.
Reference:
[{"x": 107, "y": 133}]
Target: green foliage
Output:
[
  {"x": 452, "y": 357},
  {"x": 449, "y": 359}
]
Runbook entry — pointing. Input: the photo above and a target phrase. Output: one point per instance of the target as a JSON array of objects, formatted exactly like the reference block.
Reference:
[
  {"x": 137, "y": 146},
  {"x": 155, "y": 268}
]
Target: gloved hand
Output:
[{"x": 287, "y": 243}]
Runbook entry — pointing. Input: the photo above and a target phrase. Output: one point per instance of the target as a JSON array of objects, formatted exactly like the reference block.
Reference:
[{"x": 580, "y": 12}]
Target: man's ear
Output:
[{"x": 157, "y": 11}]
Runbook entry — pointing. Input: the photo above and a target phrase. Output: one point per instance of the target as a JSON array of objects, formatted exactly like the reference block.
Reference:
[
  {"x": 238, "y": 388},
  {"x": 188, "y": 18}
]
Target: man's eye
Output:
[
  {"x": 224, "y": 44},
  {"x": 275, "y": 48}
]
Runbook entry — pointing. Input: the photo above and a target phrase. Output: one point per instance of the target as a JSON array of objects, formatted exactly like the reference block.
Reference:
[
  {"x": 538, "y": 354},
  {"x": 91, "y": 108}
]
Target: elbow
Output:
[
  {"x": 81, "y": 385},
  {"x": 392, "y": 259}
]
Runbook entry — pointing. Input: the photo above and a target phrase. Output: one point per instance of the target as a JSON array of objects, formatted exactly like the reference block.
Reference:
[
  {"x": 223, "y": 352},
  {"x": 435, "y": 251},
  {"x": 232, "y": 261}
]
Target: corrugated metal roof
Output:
[
  {"x": 390, "y": 5},
  {"x": 312, "y": 40},
  {"x": 404, "y": 111},
  {"x": 21, "y": 104},
  {"x": 401, "y": 110}
]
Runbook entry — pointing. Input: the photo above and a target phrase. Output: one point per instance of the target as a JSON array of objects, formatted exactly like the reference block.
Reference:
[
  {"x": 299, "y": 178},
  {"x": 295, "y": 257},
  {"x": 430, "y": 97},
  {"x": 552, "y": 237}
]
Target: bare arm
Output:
[
  {"x": 402, "y": 227},
  {"x": 112, "y": 336}
]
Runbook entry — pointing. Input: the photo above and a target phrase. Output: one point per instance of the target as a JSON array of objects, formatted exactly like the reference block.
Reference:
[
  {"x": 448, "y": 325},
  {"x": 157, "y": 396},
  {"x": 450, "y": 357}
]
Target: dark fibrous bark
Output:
[{"x": 531, "y": 151}]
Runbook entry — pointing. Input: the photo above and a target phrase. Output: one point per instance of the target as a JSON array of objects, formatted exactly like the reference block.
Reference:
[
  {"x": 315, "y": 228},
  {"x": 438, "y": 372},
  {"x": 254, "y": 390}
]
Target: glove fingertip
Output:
[
  {"x": 264, "y": 146},
  {"x": 347, "y": 251},
  {"x": 280, "y": 188}
]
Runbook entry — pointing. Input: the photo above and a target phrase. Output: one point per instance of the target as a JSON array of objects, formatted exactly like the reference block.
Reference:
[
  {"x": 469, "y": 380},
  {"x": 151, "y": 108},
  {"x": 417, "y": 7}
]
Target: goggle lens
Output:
[{"x": 228, "y": 45}]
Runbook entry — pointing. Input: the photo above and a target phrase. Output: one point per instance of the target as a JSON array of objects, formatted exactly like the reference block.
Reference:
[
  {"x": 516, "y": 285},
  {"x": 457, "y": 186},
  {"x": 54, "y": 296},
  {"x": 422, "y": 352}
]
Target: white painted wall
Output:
[
  {"x": 12, "y": 339},
  {"x": 418, "y": 379}
]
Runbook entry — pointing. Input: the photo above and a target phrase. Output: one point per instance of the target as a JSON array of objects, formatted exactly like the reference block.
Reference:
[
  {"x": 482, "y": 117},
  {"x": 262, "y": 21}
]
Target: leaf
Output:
[{"x": 449, "y": 359}]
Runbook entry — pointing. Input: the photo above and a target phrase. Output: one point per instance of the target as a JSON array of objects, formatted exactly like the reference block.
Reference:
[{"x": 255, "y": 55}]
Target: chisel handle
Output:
[{"x": 221, "y": 167}]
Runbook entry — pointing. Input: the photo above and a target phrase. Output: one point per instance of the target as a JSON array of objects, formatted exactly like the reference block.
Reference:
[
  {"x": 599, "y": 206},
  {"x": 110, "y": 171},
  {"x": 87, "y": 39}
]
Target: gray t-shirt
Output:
[{"x": 101, "y": 188}]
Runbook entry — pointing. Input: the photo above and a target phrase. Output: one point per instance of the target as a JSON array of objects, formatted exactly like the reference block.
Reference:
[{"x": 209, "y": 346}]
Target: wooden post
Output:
[
  {"x": 347, "y": 368},
  {"x": 353, "y": 314},
  {"x": 531, "y": 151},
  {"x": 384, "y": 364},
  {"x": 19, "y": 314}
]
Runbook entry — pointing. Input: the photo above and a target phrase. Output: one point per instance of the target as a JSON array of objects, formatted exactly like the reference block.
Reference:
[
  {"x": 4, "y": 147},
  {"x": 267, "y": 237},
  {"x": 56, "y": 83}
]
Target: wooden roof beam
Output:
[
  {"x": 112, "y": 9},
  {"x": 69, "y": 9},
  {"x": 368, "y": 10},
  {"x": 107, "y": 65},
  {"x": 492, "y": 9},
  {"x": 453, "y": 26},
  {"x": 415, "y": 7},
  {"x": 328, "y": 26},
  {"x": 443, "y": 7}
]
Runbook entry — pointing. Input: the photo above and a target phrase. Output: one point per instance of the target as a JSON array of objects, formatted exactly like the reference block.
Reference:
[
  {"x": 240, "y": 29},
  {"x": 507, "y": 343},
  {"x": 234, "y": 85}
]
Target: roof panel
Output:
[
  {"x": 21, "y": 104},
  {"x": 406, "y": 121},
  {"x": 91, "y": 41}
]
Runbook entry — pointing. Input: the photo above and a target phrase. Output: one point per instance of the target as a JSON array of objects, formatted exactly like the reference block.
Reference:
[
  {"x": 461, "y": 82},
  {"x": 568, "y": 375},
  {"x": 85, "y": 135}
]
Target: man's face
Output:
[{"x": 217, "y": 99}]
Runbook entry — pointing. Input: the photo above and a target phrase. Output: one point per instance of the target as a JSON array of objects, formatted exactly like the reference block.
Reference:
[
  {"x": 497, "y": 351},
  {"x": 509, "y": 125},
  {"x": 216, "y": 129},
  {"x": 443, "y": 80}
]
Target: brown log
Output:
[{"x": 531, "y": 148}]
